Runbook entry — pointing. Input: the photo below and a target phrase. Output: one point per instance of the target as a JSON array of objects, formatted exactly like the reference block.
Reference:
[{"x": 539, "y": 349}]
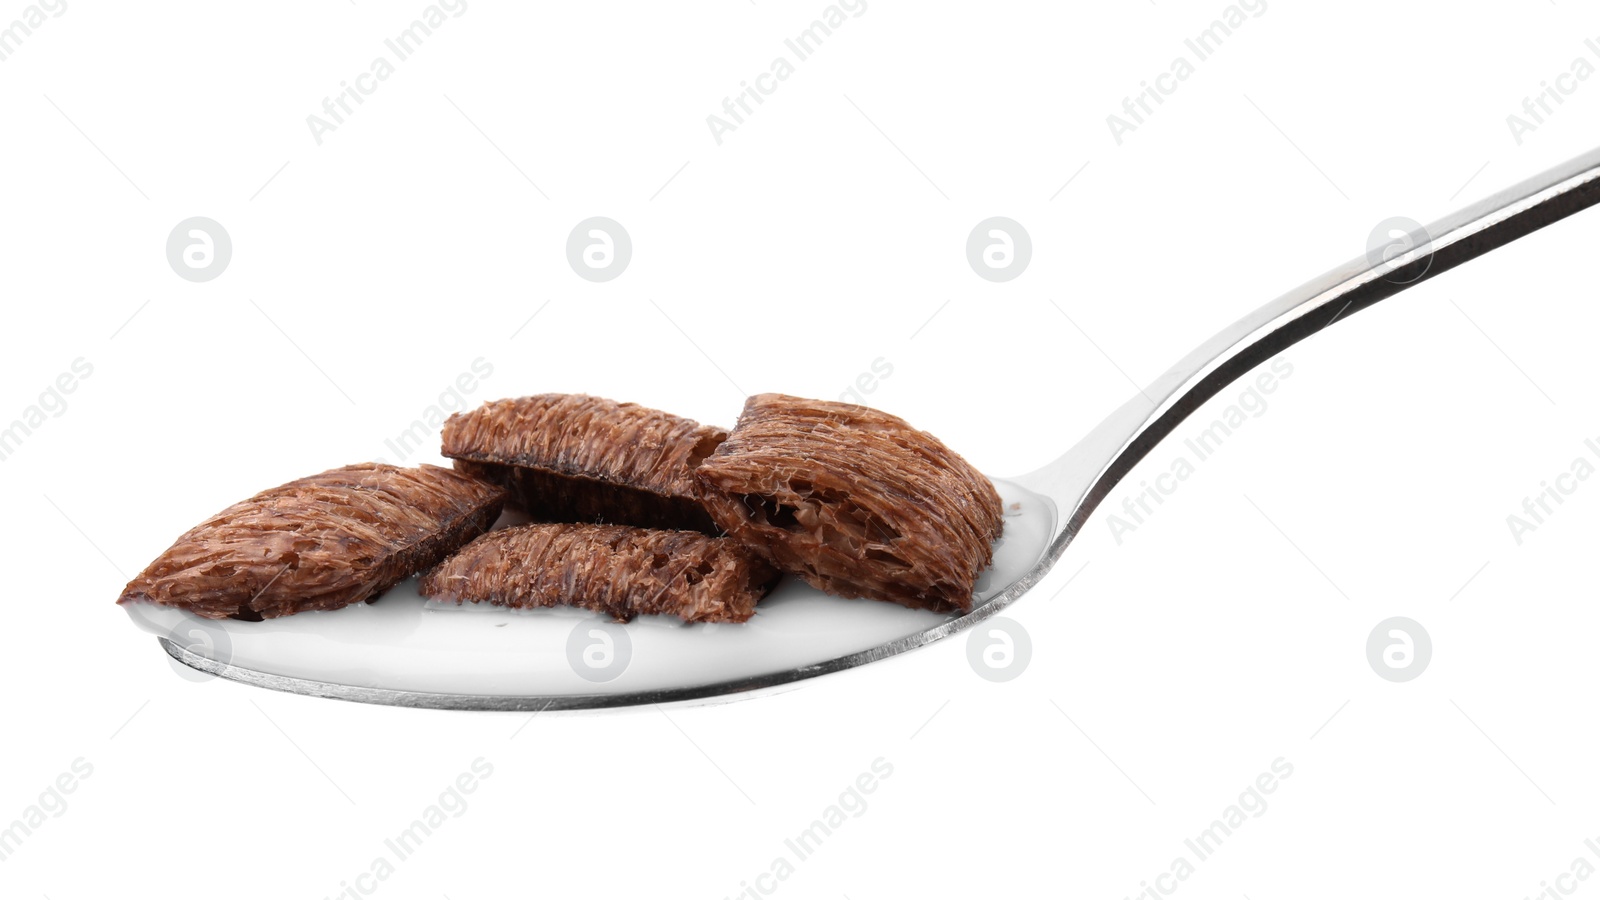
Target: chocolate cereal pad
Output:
[
  {"x": 323, "y": 542},
  {"x": 854, "y": 501},
  {"x": 577, "y": 458},
  {"x": 617, "y": 570}
]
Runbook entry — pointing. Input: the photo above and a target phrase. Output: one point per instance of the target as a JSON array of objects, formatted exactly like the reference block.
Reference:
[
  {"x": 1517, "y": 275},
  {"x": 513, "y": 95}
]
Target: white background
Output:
[{"x": 825, "y": 233}]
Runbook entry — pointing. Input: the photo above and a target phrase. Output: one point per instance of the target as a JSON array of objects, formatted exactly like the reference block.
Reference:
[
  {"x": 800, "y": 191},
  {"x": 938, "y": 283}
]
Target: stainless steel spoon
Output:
[{"x": 1075, "y": 484}]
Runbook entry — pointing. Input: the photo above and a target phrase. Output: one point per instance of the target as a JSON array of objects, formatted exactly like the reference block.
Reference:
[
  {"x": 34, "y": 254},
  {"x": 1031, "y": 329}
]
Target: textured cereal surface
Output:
[
  {"x": 617, "y": 570},
  {"x": 854, "y": 501},
  {"x": 577, "y": 458},
  {"x": 322, "y": 542}
]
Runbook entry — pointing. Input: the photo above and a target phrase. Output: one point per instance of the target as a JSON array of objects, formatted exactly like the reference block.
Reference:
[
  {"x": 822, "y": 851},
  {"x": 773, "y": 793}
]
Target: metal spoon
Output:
[{"x": 1068, "y": 490}]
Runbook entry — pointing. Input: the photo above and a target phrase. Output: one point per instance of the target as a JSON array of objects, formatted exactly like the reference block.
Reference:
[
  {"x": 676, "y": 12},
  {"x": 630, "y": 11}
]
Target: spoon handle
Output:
[{"x": 1082, "y": 477}]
